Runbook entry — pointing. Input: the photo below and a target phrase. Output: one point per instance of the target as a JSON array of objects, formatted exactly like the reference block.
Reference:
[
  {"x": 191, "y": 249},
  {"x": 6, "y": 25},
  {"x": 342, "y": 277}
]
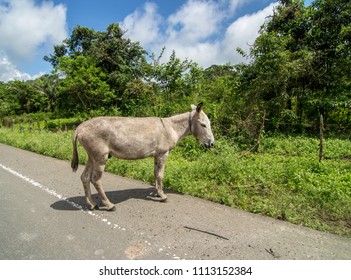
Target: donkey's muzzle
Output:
[{"x": 209, "y": 144}]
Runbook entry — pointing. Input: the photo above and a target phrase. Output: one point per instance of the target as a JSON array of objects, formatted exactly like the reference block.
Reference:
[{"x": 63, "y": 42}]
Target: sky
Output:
[{"x": 205, "y": 31}]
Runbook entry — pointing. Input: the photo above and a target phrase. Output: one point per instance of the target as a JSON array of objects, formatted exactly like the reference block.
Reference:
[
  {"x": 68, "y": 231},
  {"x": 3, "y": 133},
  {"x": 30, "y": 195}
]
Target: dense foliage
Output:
[{"x": 298, "y": 67}]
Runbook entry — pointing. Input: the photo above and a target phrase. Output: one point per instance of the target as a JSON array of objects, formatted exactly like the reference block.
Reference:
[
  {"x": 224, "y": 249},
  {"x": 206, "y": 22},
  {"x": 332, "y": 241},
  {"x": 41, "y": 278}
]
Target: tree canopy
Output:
[{"x": 298, "y": 67}]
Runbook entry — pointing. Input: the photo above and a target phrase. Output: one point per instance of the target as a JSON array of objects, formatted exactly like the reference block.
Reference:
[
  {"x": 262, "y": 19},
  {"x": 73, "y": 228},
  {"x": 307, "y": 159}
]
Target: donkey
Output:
[{"x": 134, "y": 138}]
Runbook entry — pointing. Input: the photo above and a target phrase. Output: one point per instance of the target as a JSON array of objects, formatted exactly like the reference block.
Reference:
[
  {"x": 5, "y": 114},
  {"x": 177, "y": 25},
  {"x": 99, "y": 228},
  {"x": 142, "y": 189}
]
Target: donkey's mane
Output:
[{"x": 179, "y": 117}]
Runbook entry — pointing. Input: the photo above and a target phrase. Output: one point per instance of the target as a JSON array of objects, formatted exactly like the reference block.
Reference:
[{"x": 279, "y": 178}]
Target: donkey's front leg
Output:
[{"x": 160, "y": 162}]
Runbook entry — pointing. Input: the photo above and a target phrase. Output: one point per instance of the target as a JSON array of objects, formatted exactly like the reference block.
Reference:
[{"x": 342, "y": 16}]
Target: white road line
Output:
[
  {"x": 71, "y": 203},
  {"x": 61, "y": 197}
]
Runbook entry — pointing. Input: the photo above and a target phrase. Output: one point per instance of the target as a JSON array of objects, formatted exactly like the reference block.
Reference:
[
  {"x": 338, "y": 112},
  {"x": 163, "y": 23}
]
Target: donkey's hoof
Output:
[
  {"x": 163, "y": 197},
  {"x": 92, "y": 208},
  {"x": 112, "y": 209}
]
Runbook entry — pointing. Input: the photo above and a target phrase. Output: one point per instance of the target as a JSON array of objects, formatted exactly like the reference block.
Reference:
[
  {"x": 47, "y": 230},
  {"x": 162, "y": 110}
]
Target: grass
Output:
[{"x": 284, "y": 181}]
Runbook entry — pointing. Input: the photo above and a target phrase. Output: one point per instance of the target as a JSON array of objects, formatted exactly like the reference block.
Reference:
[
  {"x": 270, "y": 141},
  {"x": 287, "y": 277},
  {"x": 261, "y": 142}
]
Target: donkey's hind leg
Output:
[
  {"x": 85, "y": 178},
  {"x": 159, "y": 169},
  {"x": 96, "y": 180}
]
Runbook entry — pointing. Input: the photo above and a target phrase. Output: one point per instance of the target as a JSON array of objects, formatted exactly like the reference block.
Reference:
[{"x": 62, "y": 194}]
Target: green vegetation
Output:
[
  {"x": 285, "y": 180},
  {"x": 298, "y": 69}
]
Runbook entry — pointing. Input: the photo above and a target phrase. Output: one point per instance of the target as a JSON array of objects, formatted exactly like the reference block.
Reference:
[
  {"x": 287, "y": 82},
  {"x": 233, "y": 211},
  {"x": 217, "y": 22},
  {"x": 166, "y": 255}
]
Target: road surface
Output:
[{"x": 43, "y": 217}]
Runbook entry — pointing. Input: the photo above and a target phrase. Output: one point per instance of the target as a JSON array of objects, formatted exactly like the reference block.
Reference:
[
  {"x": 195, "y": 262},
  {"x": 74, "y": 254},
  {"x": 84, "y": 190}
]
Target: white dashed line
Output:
[
  {"x": 73, "y": 204},
  {"x": 61, "y": 197}
]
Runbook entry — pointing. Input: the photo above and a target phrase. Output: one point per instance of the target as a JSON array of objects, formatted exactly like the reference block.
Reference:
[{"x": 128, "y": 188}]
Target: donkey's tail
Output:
[{"x": 74, "y": 162}]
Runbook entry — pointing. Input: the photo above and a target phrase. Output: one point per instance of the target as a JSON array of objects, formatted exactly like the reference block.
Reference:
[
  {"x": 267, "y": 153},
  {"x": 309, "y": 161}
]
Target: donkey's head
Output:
[{"x": 200, "y": 126}]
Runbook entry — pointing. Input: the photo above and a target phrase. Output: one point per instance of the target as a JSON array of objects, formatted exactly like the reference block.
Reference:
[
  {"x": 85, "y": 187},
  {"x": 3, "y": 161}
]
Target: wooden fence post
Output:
[
  {"x": 30, "y": 125},
  {"x": 21, "y": 128},
  {"x": 321, "y": 144},
  {"x": 256, "y": 147}
]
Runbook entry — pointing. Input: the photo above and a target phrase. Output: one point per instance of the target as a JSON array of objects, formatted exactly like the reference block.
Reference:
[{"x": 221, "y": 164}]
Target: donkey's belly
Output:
[{"x": 132, "y": 152}]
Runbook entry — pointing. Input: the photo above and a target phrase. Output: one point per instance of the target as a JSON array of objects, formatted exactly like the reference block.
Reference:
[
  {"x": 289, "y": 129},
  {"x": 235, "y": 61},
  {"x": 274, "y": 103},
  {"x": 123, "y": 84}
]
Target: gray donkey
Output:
[{"x": 134, "y": 138}]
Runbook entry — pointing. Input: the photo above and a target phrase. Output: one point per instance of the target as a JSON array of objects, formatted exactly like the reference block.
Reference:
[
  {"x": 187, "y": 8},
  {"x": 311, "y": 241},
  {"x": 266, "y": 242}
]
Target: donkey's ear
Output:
[
  {"x": 193, "y": 107},
  {"x": 199, "y": 107}
]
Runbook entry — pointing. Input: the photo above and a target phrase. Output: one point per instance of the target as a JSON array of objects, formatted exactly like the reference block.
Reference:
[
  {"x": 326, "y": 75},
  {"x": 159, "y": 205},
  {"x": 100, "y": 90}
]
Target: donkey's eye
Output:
[{"x": 203, "y": 125}]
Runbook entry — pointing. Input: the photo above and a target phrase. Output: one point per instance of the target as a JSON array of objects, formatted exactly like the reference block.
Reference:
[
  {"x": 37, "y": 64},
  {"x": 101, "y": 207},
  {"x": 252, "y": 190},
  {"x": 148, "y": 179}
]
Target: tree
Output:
[
  {"x": 84, "y": 87},
  {"x": 140, "y": 99},
  {"x": 48, "y": 85},
  {"x": 8, "y": 101},
  {"x": 26, "y": 98},
  {"x": 79, "y": 43},
  {"x": 300, "y": 63},
  {"x": 290, "y": 26},
  {"x": 120, "y": 58},
  {"x": 114, "y": 60},
  {"x": 329, "y": 38},
  {"x": 169, "y": 77}
]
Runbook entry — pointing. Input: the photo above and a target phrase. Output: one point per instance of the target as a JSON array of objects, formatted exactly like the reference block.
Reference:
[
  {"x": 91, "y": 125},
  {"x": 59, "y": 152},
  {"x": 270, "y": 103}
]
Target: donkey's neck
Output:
[{"x": 181, "y": 124}]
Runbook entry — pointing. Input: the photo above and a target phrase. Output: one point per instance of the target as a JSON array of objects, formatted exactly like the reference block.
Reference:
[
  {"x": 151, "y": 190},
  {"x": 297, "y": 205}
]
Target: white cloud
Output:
[
  {"x": 8, "y": 71},
  {"x": 25, "y": 26},
  {"x": 242, "y": 33},
  {"x": 143, "y": 25},
  {"x": 191, "y": 29},
  {"x": 235, "y": 4},
  {"x": 195, "y": 21},
  {"x": 199, "y": 30}
]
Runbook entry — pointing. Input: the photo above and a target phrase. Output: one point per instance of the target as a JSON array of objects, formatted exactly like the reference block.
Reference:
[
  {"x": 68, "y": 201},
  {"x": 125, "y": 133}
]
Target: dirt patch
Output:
[{"x": 134, "y": 251}]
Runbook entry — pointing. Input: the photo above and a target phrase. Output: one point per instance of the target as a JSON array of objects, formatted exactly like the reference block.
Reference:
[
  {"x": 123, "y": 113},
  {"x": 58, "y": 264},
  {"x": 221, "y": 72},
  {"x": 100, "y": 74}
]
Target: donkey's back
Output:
[{"x": 122, "y": 137}]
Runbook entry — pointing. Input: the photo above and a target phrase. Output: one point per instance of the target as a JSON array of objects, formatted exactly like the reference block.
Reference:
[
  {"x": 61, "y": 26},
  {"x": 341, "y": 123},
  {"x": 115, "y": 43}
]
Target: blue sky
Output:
[{"x": 205, "y": 31}]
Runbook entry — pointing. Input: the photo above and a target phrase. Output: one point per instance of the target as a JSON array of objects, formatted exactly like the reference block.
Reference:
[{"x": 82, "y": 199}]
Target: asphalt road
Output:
[{"x": 43, "y": 217}]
